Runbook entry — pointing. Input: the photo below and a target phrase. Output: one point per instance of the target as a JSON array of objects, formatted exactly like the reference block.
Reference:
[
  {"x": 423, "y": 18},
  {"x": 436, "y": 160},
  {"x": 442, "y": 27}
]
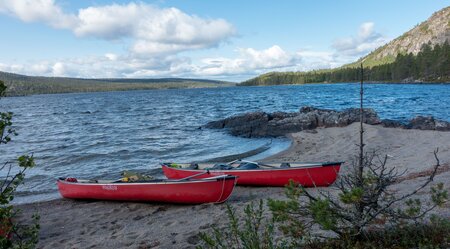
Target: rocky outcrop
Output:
[
  {"x": 262, "y": 124},
  {"x": 389, "y": 123},
  {"x": 253, "y": 124},
  {"x": 428, "y": 123}
]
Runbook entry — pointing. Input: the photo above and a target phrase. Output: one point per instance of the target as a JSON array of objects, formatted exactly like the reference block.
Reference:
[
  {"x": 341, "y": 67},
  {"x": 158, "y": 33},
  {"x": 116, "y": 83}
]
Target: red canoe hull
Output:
[
  {"x": 312, "y": 176},
  {"x": 183, "y": 192}
]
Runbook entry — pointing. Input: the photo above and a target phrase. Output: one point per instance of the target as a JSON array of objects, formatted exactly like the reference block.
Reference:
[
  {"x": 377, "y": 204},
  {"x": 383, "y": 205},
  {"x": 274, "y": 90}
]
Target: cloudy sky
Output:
[{"x": 230, "y": 40}]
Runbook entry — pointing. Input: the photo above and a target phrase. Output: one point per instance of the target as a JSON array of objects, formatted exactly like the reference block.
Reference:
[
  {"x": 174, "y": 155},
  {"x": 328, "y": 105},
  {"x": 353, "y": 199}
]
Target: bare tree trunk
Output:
[
  {"x": 360, "y": 180},
  {"x": 361, "y": 130}
]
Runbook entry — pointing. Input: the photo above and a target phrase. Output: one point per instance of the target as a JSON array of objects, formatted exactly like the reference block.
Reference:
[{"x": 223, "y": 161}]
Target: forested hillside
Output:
[
  {"x": 420, "y": 55},
  {"x": 26, "y": 85},
  {"x": 429, "y": 65}
]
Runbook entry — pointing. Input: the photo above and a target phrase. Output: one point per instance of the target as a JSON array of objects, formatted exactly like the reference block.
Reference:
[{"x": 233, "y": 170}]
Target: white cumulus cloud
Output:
[
  {"x": 249, "y": 60},
  {"x": 152, "y": 30},
  {"x": 45, "y": 11},
  {"x": 59, "y": 69},
  {"x": 366, "y": 40}
]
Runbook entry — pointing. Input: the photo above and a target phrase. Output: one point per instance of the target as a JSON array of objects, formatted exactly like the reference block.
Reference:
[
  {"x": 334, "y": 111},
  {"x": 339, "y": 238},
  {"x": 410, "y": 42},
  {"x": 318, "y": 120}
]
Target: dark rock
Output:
[
  {"x": 352, "y": 115},
  {"x": 441, "y": 125},
  {"x": 291, "y": 124},
  {"x": 428, "y": 123},
  {"x": 422, "y": 123},
  {"x": 307, "y": 109},
  {"x": 261, "y": 124},
  {"x": 280, "y": 115},
  {"x": 330, "y": 118},
  {"x": 389, "y": 123},
  {"x": 253, "y": 124},
  {"x": 194, "y": 239}
]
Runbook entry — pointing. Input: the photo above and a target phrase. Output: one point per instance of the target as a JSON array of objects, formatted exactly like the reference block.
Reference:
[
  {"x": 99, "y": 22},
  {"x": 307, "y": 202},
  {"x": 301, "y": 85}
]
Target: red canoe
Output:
[
  {"x": 214, "y": 189},
  {"x": 271, "y": 174}
]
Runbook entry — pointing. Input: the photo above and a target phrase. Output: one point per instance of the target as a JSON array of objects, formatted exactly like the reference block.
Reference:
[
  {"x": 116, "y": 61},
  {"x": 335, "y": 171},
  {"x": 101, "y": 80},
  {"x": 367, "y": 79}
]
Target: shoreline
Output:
[
  {"x": 235, "y": 85},
  {"x": 354, "y": 82},
  {"x": 279, "y": 154},
  {"x": 157, "y": 172},
  {"x": 103, "y": 224}
]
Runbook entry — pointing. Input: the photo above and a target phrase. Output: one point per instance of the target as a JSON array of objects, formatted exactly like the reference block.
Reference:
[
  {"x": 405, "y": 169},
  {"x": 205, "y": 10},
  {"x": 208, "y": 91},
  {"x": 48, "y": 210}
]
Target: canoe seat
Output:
[
  {"x": 248, "y": 166},
  {"x": 221, "y": 166},
  {"x": 285, "y": 165},
  {"x": 193, "y": 166}
]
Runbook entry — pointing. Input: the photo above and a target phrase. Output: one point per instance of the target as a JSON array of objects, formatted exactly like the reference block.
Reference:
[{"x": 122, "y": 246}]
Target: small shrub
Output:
[
  {"x": 435, "y": 234},
  {"x": 253, "y": 232},
  {"x": 12, "y": 233}
]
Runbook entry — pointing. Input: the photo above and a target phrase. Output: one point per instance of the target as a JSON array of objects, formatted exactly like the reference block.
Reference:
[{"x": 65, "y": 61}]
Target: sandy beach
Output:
[{"x": 101, "y": 224}]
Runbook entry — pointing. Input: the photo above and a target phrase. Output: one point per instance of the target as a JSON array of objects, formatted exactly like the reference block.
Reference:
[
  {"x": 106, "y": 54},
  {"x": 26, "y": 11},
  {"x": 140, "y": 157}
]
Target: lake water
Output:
[{"x": 98, "y": 135}]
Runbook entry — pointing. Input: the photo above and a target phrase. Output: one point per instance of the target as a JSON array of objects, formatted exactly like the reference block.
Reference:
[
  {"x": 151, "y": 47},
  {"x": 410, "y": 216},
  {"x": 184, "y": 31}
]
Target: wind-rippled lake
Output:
[{"x": 98, "y": 135}]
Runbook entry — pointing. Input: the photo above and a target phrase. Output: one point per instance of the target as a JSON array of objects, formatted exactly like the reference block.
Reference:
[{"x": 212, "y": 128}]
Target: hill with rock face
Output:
[
  {"x": 435, "y": 30},
  {"x": 419, "y": 55}
]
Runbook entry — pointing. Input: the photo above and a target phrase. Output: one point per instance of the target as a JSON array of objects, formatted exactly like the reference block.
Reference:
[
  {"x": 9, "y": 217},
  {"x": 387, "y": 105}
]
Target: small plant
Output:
[
  {"x": 254, "y": 232},
  {"x": 12, "y": 233}
]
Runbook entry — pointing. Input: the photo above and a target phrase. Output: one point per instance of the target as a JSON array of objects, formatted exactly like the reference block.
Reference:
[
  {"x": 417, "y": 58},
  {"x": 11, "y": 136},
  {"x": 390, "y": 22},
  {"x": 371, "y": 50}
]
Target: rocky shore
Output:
[{"x": 262, "y": 124}]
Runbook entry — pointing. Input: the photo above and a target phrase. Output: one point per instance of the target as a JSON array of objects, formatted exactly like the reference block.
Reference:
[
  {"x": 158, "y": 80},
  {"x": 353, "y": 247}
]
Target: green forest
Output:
[
  {"x": 19, "y": 85},
  {"x": 431, "y": 64}
]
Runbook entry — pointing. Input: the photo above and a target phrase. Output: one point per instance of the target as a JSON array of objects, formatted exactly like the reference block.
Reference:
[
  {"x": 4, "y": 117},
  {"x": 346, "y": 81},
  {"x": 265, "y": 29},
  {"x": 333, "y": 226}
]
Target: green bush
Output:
[
  {"x": 253, "y": 232},
  {"x": 435, "y": 234},
  {"x": 12, "y": 233}
]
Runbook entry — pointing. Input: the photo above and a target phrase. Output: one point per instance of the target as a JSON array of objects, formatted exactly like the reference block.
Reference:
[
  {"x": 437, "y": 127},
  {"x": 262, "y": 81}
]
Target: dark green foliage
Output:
[
  {"x": 357, "y": 205},
  {"x": 435, "y": 234},
  {"x": 25, "y": 85},
  {"x": 12, "y": 233},
  {"x": 253, "y": 233},
  {"x": 429, "y": 65}
]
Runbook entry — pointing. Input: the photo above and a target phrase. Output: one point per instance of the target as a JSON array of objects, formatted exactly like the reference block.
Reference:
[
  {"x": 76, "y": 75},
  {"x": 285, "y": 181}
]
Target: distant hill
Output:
[
  {"x": 419, "y": 55},
  {"x": 25, "y": 85}
]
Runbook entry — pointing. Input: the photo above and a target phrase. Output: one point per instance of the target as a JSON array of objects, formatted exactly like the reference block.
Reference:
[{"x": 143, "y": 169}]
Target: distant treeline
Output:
[
  {"x": 19, "y": 85},
  {"x": 432, "y": 64}
]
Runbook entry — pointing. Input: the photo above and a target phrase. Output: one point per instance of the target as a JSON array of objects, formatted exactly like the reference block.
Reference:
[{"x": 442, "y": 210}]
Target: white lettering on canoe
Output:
[{"x": 109, "y": 187}]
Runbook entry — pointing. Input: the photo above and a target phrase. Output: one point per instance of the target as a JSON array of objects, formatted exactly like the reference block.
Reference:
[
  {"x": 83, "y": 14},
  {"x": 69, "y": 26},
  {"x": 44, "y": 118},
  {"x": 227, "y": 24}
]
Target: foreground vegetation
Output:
[
  {"x": 12, "y": 233},
  {"x": 429, "y": 65},
  {"x": 257, "y": 232},
  {"x": 361, "y": 210},
  {"x": 19, "y": 85}
]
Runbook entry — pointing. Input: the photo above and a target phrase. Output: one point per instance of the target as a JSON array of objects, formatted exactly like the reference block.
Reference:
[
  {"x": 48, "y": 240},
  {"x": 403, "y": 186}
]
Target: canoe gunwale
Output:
[
  {"x": 154, "y": 182},
  {"x": 216, "y": 189},
  {"x": 327, "y": 164},
  {"x": 314, "y": 176}
]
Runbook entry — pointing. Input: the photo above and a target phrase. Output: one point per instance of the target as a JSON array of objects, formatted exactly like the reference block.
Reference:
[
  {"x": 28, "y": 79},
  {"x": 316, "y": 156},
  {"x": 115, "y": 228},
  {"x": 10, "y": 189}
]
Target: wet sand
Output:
[{"x": 101, "y": 224}]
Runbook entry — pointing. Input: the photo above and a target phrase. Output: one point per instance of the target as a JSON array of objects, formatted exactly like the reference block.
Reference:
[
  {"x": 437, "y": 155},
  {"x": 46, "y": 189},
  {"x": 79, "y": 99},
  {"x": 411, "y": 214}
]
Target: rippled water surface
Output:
[{"x": 95, "y": 135}]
